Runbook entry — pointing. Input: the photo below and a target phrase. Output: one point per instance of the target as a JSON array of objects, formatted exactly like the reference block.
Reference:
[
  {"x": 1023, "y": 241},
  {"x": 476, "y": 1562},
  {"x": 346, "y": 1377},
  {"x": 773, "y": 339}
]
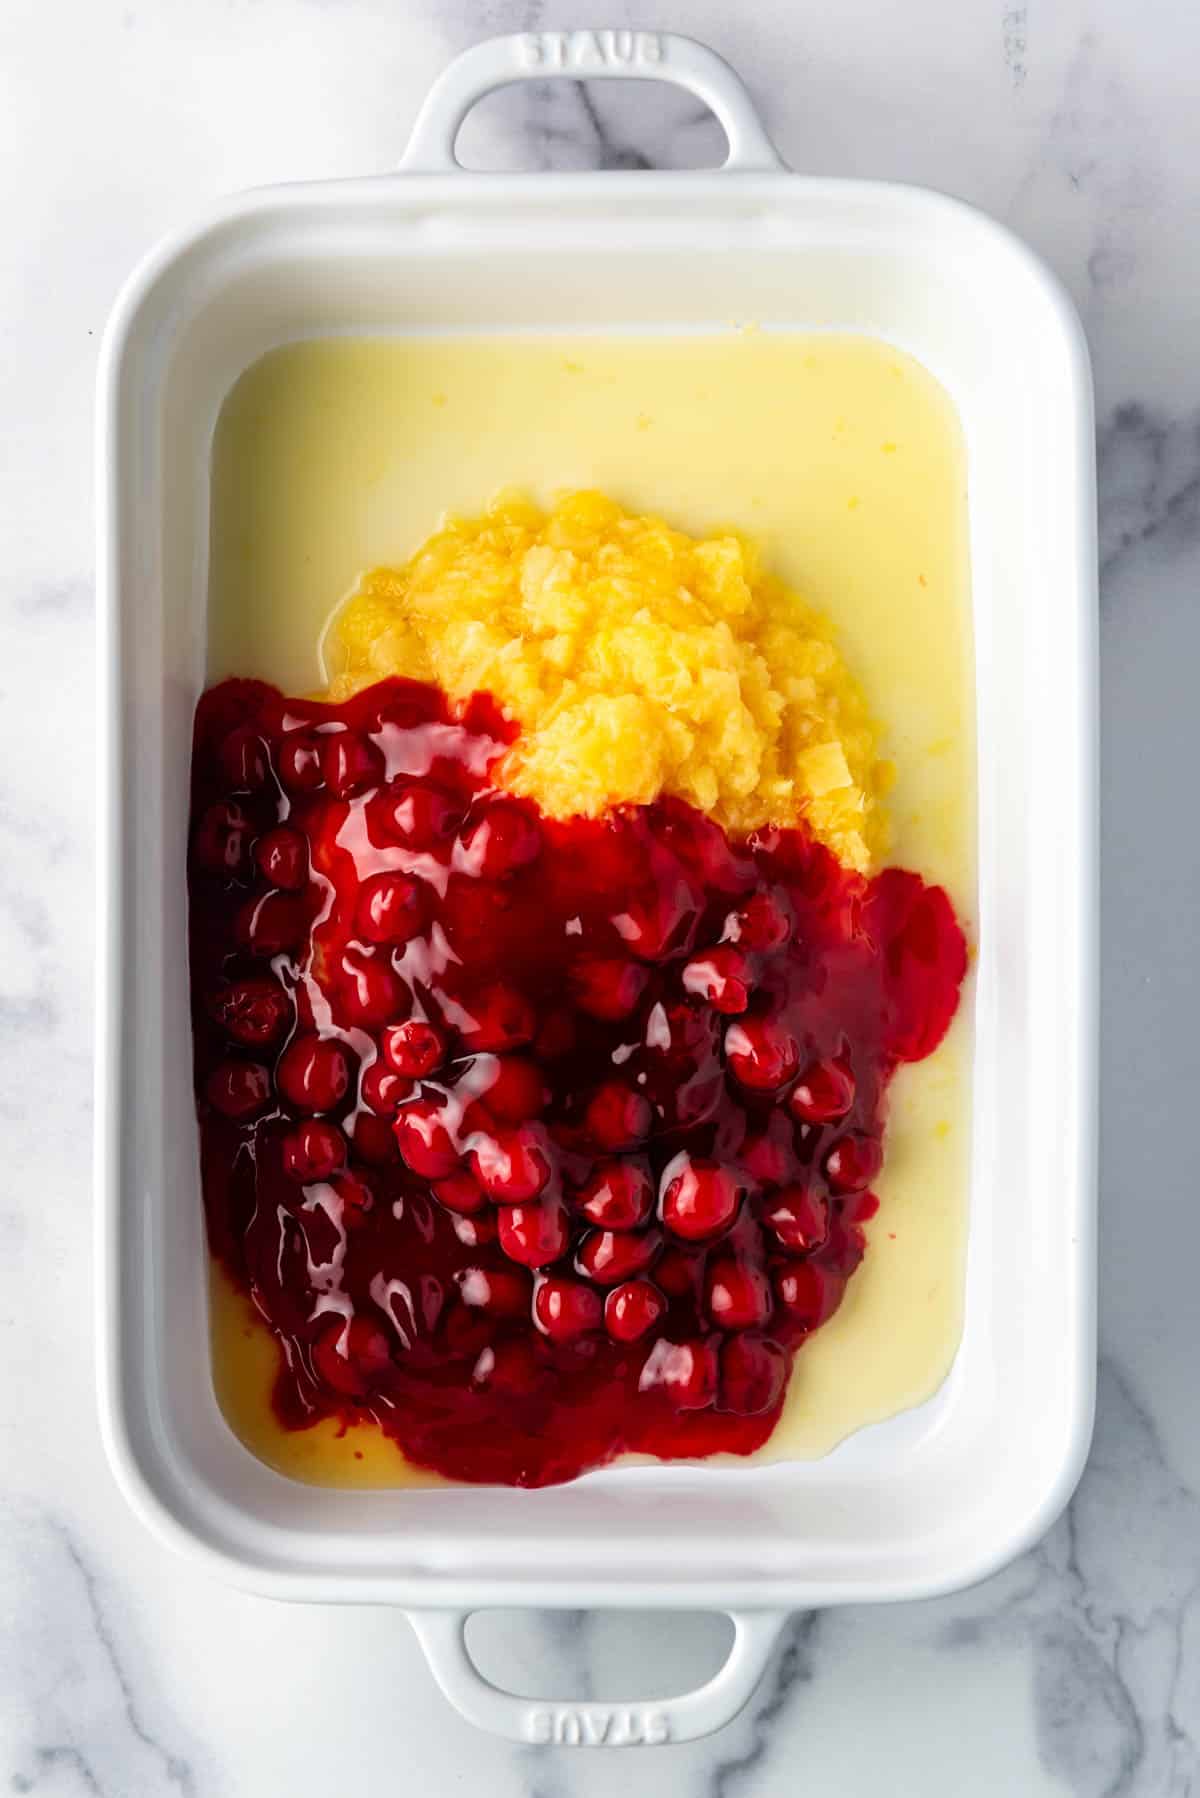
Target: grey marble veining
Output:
[
  {"x": 67, "y": 1682},
  {"x": 1148, "y": 473},
  {"x": 124, "y": 1672}
]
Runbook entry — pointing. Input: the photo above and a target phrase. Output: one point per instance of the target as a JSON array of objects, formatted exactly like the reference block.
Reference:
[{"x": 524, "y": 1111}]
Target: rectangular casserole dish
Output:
[{"x": 931, "y": 1500}]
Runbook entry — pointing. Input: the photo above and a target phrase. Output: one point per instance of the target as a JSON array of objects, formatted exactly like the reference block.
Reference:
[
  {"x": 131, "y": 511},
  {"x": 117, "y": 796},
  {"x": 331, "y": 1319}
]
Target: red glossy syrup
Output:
[{"x": 534, "y": 1141}]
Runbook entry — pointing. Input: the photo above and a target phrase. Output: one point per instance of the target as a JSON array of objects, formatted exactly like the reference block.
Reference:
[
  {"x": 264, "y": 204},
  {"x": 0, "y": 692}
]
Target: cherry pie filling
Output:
[{"x": 535, "y": 1141}]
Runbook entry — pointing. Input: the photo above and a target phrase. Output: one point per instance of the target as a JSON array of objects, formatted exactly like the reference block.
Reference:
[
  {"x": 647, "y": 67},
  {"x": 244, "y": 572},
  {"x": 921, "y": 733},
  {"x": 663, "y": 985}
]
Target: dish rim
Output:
[{"x": 422, "y": 1588}]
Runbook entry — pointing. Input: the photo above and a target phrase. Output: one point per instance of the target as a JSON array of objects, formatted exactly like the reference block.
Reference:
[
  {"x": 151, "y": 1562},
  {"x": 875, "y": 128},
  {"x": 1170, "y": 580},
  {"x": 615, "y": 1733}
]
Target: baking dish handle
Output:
[
  {"x": 586, "y": 56},
  {"x": 579, "y": 1723}
]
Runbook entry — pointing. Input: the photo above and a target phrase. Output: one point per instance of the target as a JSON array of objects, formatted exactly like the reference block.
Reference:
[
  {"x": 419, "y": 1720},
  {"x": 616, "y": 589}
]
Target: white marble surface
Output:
[{"x": 124, "y": 1672}]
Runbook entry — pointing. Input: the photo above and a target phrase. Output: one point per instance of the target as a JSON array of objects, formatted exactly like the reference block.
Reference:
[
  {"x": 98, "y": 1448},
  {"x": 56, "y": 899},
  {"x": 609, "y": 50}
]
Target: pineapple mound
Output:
[{"x": 636, "y": 660}]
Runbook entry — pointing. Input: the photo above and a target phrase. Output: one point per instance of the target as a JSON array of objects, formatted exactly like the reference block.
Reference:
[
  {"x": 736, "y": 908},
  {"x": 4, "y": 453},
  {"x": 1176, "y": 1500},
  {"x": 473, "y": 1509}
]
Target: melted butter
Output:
[{"x": 844, "y": 458}]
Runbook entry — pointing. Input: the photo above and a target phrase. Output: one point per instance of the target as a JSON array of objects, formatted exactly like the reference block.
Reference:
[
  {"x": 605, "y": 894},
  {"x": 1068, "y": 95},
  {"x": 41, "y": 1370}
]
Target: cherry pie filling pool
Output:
[{"x": 536, "y": 1141}]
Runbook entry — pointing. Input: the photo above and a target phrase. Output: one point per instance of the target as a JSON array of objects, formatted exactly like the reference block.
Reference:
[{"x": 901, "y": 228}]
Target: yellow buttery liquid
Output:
[{"x": 843, "y": 458}]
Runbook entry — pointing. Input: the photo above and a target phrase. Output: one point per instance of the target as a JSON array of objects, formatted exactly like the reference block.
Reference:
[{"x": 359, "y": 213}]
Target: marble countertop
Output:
[{"x": 126, "y": 1672}]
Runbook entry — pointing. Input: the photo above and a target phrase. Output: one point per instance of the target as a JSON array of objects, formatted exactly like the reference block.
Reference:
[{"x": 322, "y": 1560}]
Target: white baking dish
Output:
[{"x": 933, "y": 1499}]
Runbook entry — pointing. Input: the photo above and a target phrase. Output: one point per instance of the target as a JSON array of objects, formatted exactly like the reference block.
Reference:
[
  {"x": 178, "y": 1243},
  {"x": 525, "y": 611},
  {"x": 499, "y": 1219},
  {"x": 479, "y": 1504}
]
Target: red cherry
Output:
[
  {"x": 501, "y": 840},
  {"x": 501, "y": 1292},
  {"x": 383, "y": 1089},
  {"x": 349, "y": 1356},
  {"x": 617, "y": 1117},
  {"x": 300, "y": 763},
  {"x": 391, "y": 908},
  {"x": 609, "y": 1257},
  {"x": 699, "y": 1198},
  {"x": 513, "y": 1166},
  {"x": 632, "y": 1309},
  {"x": 313, "y": 1151},
  {"x": 685, "y": 1372},
  {"x": 808, "y": 1293},
  {"x": 415, "y": 1048},
  {"x": 737, "y": 1296},
  {"x": 823, "y": 1093},
  {"x": 699, "y": 843},
  {"x": 252, "y": 1011},
  {"x": 373, "y": 1140},
  {"x": 509, "y": 1366},
  {"x": 679, "y": 1034},
  {"x": 760, "y": 923},
  {"x": 663, "y": 924},
  {"x": 762, "y": 1053},
  {"x": 349, "y": 763},
  {"x": 753, "y": 1374},
  {"x": 722, "y": 977},
  {"x": 460, "y": 1193},
  {"x": 497, "y": 1017},
  {"x": 244, "y": 760},
  {"x": 565, "y": 1309},
  {"x": 422, "y": 817},
  {"x": 619, "y": 1195},
  {"x": 798, "y": 1218},
  {"x": 853, "y": 1163},
  {"x": 607, "y": 987},
  {"x": 282, "y": 857},
  {"x": 239, "y": 1089},
  {"x": 769, "y": 1159},
  {"x": 424, "y": 1141},
  {"x": 355, "y": 1199},
  {"x": 371, "y": 991},
  {"x": 474, "y": 915},
  {"x": 694, "y": 1101},
  {"x": 273, "y": 924},
  {"x": 533, "y": 1234},
  {"x": 475, "y": 1232},
  {"x": 313, "y": 1072},
  {"x": 221, "y": 844},
  {"x": 514, "y": 1092},
  {"x": 811, "y": 871}
]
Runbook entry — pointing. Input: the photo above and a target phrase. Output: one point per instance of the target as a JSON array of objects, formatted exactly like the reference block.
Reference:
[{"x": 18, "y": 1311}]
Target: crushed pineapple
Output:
[{"x": 637, "y": 661}]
